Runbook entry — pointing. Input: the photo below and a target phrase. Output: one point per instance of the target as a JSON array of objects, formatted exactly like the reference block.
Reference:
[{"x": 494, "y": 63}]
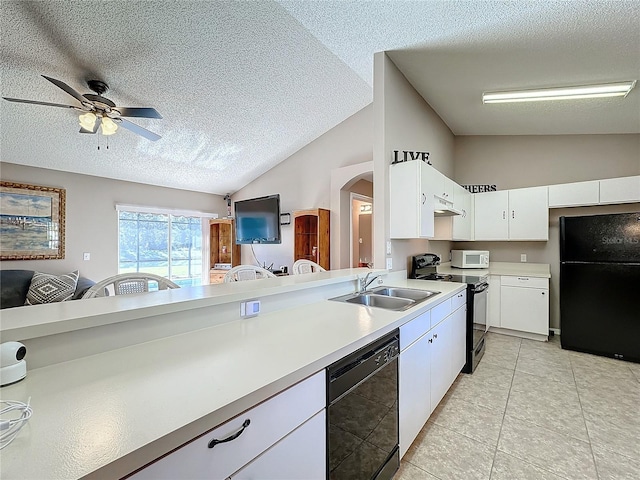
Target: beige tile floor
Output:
[{"x": 533, "y": 411}]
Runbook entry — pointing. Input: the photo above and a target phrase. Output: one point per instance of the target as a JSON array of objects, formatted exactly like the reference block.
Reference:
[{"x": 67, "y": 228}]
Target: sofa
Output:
[{"x": 14, "y": 285}]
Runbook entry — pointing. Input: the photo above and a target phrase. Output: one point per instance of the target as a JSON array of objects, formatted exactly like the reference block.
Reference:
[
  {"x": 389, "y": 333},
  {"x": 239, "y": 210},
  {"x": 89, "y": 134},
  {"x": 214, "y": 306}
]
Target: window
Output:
[{"x": 162, "y": 243}]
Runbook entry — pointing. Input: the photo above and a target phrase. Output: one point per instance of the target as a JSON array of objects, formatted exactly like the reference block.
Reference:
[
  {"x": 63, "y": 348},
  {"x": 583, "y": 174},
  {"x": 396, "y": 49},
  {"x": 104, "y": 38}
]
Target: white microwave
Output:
[{"x": 470, "y": 258}]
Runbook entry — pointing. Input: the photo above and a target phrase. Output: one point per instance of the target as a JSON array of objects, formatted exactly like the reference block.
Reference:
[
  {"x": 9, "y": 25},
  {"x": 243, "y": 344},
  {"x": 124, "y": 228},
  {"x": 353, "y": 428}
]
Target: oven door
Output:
[{"x": 480, "y": 295}]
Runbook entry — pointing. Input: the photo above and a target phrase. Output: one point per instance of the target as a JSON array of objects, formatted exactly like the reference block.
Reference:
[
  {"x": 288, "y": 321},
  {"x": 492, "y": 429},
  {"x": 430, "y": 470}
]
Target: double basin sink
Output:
[{"x": 389, "y": 298}]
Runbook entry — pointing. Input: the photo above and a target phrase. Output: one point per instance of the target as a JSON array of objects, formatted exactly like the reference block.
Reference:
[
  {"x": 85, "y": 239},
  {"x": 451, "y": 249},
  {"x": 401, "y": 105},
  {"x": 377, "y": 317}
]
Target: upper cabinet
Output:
[
  {"x": 620, "y": 190},
  {"x": 520, "y": 214},
  {"x": 411, "y": 200},
  {"x": 595, "y": 192},
  {"x": 462, "y": 228}
]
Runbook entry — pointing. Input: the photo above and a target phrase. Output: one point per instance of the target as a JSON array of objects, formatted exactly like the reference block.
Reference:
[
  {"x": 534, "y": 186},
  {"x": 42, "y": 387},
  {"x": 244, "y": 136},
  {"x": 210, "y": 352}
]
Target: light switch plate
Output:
[
  {"x": 523, "y": 257},
  {"x": 389, "y": 263},
  {"x": 86, "y": 256},
  {"x": 388, "y": 248}
]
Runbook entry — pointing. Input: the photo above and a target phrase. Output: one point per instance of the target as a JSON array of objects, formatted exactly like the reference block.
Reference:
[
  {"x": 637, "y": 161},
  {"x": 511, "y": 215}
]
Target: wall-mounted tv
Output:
[{"x": 258, "y": 220}]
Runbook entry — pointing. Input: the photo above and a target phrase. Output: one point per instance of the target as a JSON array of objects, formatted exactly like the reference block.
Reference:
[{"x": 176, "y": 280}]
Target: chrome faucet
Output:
[{"x": 363, "y": 283}]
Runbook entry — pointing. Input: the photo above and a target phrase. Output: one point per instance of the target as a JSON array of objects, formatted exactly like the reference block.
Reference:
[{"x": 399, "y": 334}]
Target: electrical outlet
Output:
[
  {"x": 388, "y": 248},
  {"x": 86, "y": 256},
  {"x": 389, "y": 263},
  {"x": 523, "y": 257}
]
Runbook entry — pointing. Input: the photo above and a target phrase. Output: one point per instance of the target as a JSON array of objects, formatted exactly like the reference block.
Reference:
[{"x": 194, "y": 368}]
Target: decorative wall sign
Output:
[
  {"x": 480, "y": 188},
  {"x": 408, "y": 155},
  {"x": 31, "y": 222}
]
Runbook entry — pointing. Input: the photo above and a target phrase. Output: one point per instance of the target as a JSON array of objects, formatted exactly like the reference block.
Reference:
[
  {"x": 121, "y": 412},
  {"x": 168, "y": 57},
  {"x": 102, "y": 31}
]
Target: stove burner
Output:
[{"x": 435, "y": 276}]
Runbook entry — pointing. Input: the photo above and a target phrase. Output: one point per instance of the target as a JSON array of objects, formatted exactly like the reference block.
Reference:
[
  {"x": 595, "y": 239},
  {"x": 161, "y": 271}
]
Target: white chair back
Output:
[
  {"x": 306, "y": 266},
  {"x": 127, "y": 283},
  {"x": 246, "y": 272}
]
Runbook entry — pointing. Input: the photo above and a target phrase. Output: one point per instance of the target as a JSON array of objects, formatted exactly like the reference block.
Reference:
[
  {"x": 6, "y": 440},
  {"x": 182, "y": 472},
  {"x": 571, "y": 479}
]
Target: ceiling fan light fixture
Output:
[
  {"x": 108, "y": 126},
  {"x": 87, "y": 120},
  {"x": 619, "y": 89}
]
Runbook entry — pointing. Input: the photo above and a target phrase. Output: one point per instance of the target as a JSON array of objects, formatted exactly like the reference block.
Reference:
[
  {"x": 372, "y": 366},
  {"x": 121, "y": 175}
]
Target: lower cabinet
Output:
[
  {"x": 524, "y": 304},
  {"x": 301, "y": 454},
  {"x": 429, "y": 365},
  {"x": 257, "y": 441}
]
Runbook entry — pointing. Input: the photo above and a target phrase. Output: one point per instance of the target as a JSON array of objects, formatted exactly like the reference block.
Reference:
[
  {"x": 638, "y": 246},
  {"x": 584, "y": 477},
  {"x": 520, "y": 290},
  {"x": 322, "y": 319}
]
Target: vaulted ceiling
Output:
[{"x": 243, "y": 85}]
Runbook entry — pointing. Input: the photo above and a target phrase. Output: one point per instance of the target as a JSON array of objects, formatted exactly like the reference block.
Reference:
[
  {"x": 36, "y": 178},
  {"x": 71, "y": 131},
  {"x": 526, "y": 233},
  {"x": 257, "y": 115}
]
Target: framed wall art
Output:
[{"x": 32, "y": 221}]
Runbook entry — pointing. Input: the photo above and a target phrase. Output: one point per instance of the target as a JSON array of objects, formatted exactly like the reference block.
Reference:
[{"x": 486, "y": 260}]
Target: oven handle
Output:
[{"x": 480, "y": 288}]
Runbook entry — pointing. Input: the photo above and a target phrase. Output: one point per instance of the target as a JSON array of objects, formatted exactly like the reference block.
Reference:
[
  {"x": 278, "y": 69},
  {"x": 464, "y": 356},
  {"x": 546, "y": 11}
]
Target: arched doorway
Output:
[{"x": 343, "y": 181}]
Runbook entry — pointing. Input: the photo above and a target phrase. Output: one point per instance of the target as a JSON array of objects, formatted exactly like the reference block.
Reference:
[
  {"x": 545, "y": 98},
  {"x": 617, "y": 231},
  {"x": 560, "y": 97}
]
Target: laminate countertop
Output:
[
  {"x": 539, "y": 270},
  {"x": 105, "y": 415}
]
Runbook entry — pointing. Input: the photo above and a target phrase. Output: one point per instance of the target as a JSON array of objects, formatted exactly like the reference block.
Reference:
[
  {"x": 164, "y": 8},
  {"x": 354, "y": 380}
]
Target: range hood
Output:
[{"x": 444, "y": 208}]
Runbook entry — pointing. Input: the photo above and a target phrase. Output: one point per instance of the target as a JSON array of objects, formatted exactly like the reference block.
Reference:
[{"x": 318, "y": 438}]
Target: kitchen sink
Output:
[
  {"x": 389, "y": 298},
  {"x": 412, "y": 293},
  {"x": 381, "y": 301}
]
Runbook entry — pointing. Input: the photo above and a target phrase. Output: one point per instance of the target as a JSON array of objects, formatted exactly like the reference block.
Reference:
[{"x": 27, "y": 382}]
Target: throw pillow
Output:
[{"x": 47, "y": 288}]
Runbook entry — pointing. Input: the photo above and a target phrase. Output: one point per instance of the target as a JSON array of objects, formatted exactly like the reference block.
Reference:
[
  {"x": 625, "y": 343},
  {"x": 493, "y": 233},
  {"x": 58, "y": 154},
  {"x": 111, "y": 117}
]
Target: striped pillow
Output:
[{"x": 47, "y": 288}]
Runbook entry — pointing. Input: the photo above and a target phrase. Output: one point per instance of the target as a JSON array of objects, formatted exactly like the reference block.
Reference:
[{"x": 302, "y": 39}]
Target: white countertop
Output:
[
  {"x": 540, "y": 270},
  {"x": 105, "y": 415}
]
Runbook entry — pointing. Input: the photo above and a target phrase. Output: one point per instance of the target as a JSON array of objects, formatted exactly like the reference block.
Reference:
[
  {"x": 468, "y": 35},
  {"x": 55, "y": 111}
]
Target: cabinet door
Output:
[
  {"x": 410, "y": 205},
  {"x": 414, "y": 384},
  {"x": 525, "y": 309},
  {"x": 458, "y": 341},
  {"x": 620, "y": 190},
  {"x": 493, "y": 301},
  {"x": 529, "y": 214},
  {"x": 462, "y": 224},
  {"x": 427, "y": 219},
  {"x": 441, "y": 368},
  {"x": 574, "y": 194},
  {"x": 301, "y": 454},
  {"x": 490, "y": 215}
]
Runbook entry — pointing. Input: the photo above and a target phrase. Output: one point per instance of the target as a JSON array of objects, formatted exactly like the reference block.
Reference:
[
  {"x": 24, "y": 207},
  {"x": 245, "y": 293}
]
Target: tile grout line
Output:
[
  {"x": 593, "y": 456},
  {"x": 495, "y": 452}
]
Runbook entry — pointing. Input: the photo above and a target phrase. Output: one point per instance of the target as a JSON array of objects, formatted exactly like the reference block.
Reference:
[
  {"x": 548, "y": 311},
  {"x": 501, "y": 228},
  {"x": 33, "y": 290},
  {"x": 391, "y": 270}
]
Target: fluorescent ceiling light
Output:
[{"x": 620, "y": 89}]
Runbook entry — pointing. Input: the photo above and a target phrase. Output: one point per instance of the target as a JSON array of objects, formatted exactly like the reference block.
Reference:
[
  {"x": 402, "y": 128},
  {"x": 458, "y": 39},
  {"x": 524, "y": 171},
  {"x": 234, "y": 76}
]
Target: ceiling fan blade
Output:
[
  {"x": 140, "y": 112},
  {"x": 19, "y": 100},
  {"x": 138, "y": 129},
  {"x": 67, "y": 89},
  {"x": 95, "y": 126}
]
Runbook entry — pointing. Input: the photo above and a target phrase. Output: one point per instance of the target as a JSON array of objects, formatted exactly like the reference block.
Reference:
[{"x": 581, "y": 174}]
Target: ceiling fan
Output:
[{"x": 100, "y": 111}]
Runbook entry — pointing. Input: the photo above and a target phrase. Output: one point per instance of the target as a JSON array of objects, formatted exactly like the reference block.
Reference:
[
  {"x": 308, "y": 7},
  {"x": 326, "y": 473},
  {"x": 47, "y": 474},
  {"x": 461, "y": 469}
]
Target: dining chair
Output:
[
  {"x": 306, "y": 266},
  {"x": 246, "y": 272},
  {"x": 127, "y": 283}
]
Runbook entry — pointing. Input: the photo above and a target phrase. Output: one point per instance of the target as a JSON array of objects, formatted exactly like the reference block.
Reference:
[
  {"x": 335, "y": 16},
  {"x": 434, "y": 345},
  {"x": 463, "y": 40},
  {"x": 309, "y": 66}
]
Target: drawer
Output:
[
  {"x": 440, "y": 312},
  {"x": 269, "y": 422},
  {"x": 414, "y": 329},
  {"x": 458, "y": 300},
  {"x": 523, "y": 281}
]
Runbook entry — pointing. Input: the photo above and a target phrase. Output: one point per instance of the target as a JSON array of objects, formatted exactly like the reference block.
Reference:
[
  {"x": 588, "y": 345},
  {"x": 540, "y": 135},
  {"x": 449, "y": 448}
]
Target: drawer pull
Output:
[{"x": 215, "y": 441}]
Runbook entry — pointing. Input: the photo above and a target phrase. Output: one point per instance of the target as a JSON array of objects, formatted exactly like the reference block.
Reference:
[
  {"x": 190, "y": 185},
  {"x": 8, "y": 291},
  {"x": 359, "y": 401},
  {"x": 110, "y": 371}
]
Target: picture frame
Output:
[{"x": 32, "y": 222}]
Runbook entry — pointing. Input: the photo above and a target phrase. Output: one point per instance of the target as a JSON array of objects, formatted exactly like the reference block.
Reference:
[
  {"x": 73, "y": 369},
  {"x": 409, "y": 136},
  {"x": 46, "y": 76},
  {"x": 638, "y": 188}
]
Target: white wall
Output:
[
  {"x": 304, "y": 181},
  {"x": 91, "y": 218},
  {"x": 526, "y": 161},
  {"x": 402, "y": 121}
]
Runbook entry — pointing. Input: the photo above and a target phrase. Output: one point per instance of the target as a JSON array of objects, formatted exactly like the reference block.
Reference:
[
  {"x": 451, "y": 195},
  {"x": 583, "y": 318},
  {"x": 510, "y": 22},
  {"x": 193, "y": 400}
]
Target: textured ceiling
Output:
[{"x": 243, "y": 85}]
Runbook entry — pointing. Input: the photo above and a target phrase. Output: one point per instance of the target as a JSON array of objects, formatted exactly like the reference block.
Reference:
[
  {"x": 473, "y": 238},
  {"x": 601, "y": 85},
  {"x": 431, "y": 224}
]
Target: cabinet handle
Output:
[
  {"x": 543, "y": 293},
  {"x": 435, "y": 335},
  {"x": 215, "y": 441},
  {"x": 513, "y": 214},
  {"x": 504, "y": 215},
  {"x": 424, "y": 198},
  {"x": 431, "y": 340}
]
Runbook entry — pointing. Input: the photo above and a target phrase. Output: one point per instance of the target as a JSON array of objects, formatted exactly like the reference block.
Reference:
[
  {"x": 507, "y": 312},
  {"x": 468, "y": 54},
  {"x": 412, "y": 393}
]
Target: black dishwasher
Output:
[{"x": 362, "y": 413}]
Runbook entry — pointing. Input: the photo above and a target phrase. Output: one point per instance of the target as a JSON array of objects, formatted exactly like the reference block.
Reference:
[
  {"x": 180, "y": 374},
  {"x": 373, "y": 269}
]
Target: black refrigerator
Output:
[{"x": 600, "y": 285}]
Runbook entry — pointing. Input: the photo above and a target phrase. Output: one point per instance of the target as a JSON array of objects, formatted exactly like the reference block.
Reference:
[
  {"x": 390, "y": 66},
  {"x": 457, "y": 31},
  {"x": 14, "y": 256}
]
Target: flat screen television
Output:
[{"x": 258, "y": 220}]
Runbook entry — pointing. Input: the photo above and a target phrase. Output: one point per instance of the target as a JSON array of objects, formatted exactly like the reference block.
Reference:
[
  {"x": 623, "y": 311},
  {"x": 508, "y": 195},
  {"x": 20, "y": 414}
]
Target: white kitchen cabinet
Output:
[
  {"x": 493, "y": 301},
  {"x": 620, "y": 190},
  {"x": 519, "y": 214},
  {"x": 410, "y": 201},
  {"x": 524, "y": 304},
  {"x": 462, "y": 224},
  {"x": 574, "y": 194},
  {"x": 414, "y": 386},
  {"x": 269, "y": 422},
  {"x": 301, "y": 454},
  {"x": 431, "y": 356}
]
